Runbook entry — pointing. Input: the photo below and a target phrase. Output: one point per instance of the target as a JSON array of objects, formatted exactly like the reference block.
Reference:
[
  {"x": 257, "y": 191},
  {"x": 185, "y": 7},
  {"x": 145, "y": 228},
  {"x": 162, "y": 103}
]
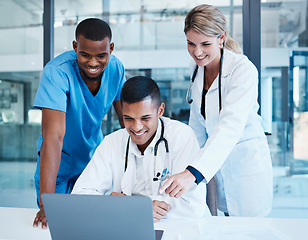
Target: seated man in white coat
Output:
[{"x": 137, "y": 160}]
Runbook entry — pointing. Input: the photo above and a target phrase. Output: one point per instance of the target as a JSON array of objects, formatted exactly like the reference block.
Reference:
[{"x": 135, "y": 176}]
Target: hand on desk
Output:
[
  {"x": 160, "y": 209},
  {"x": 117, "y": 194},
  {"x": 40, "y": 217},
  {"x": 178, "y": 184}
]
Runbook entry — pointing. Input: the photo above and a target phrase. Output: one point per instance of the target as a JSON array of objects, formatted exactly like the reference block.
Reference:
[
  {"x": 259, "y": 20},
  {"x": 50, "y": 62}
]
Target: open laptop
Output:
[{"x": 99, "y": 217}]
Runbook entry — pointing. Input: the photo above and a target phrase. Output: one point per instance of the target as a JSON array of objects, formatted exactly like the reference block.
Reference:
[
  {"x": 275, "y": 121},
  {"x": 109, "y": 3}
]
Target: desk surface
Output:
[{"x": 16, "y": 223}]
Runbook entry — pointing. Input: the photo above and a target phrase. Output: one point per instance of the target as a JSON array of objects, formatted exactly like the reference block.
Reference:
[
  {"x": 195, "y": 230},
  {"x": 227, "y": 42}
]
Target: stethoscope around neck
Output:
[
  {"x": 189, "y": 91},
  {"x": 157, "y": 175}
]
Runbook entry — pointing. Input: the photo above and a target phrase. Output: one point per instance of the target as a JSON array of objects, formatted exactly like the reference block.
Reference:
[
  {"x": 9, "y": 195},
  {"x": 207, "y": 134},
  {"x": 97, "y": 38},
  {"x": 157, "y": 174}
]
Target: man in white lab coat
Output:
[{"x": 137, "y": 160}]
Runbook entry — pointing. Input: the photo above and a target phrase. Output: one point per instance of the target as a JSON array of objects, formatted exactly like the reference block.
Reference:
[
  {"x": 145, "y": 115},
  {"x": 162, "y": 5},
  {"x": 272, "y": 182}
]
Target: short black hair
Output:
[
  {"x": 137, "y": 89},
  {"x": 93, "y": 29}
]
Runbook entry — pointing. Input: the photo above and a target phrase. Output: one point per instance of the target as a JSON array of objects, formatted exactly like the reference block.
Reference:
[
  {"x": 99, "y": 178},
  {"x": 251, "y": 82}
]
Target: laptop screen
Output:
[{"x": 99, "y": 217}]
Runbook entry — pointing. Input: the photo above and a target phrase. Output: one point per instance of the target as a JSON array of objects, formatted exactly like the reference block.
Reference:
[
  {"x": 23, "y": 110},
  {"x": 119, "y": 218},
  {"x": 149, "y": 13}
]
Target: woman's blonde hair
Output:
[{"x": 210, "y": 21}]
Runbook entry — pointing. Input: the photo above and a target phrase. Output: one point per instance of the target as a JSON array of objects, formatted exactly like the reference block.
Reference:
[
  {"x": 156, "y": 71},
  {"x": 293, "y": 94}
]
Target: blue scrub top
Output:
[{"x": 62, "y": 88}]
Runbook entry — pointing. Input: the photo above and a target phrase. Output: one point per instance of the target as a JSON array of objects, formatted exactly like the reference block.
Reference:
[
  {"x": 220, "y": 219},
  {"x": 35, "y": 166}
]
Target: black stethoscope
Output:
[
  {"x": 188, "y": 95},
  {"x": 157, "y": 176}
]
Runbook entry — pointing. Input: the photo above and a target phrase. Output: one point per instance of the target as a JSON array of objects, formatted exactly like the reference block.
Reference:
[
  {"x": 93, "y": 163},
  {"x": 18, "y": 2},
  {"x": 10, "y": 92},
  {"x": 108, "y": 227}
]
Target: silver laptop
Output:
[{"x": 99, "y": 217}]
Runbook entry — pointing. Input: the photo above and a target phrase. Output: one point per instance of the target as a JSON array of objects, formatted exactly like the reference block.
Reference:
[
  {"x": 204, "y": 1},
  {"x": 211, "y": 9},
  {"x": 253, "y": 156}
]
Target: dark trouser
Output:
[{"x": 211, "y": 196}]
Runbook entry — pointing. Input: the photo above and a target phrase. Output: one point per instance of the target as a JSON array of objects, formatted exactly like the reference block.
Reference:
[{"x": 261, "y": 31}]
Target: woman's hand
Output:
[{"x": 178, "y": 184}]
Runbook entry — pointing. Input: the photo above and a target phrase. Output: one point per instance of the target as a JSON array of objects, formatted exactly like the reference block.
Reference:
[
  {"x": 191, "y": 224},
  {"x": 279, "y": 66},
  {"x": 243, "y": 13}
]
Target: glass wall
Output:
[
  {"x": 21, "y": 35},
  {"x": 284, "y": 86},
  {"x": 299, "y": 110},
  {"x": 149, "y": 40}
]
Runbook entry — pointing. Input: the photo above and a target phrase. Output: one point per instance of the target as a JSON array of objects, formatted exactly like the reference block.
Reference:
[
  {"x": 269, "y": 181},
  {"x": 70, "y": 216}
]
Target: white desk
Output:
[
  {"x": 16, "y": 223},
  {"x": 235, "y": 228}
]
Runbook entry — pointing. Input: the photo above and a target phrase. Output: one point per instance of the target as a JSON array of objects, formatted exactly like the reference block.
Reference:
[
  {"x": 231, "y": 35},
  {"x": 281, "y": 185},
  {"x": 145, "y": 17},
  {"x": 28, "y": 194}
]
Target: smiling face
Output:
[
  {"x": 204, "y": 49},
  {"x": 141, "y": 121},
  {"x": 92, "y": 57}
]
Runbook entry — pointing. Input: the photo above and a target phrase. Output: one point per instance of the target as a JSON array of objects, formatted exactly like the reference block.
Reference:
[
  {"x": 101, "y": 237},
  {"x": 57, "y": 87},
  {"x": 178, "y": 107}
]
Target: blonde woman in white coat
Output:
[{"x": 234, "y": 148}]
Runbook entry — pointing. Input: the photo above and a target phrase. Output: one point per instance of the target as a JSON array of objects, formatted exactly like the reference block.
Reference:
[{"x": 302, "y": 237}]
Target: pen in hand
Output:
[{"x": 163, "y": 181}]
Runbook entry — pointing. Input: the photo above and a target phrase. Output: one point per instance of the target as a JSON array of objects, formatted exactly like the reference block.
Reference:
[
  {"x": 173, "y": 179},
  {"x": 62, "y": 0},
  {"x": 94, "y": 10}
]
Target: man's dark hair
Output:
[
  {"x": 93, "y": 29},
  {"x": 137, "y": 89}
]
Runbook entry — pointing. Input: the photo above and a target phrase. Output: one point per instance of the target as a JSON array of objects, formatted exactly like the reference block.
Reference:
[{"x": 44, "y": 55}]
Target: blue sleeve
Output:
[
  {"x": 121, "y": 82},
  {"x": 51, "y": 92},
  {"x": 199, "y": 177}
]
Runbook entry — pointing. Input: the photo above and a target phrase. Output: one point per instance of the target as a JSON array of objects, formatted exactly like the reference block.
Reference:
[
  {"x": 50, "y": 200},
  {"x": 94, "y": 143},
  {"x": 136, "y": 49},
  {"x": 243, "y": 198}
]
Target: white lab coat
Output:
[
  {"x": 105, "y": 171},
  {"x": 233, "y": 143}
]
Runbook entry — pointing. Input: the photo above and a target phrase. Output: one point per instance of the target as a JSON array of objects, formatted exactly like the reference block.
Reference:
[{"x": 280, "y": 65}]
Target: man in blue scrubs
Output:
[{"x": 76, "y": 90}]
